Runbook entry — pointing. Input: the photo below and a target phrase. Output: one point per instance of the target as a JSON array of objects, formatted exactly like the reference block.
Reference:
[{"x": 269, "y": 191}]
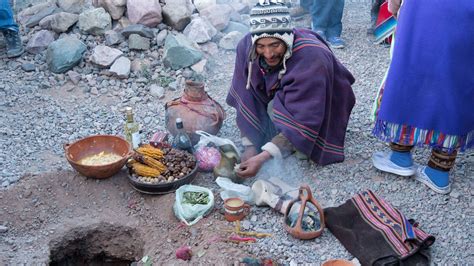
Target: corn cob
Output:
[
  {"x": 151, "y": 151},
  {"x": 130, "y": 162},
  {"x": 144, "y": 170},
  {"x": 149, "y": 161}
]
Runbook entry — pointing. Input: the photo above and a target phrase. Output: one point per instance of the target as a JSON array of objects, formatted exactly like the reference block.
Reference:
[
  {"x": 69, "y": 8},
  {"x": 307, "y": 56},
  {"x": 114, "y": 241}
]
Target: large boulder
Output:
[
  {"x": 179, "y": 52},
  {"x": 218, "y": 15},
  {"x": 122, "y": 23},
  {"x": 26, "y": 13},
  {"x": 121, "y": 67},
  {"x": 177, "y": 13},
  {"x": 63, "y": 54},
  {"x": 112, "y": 37},
  {"x": 20, "y": 5},
  {"x": 200, "y": 67},
  {"x": 236, "y": 26},
  {"x": 146, "y": 12},
  {"x": 240, "y": 7},
  {"x": 200, "y": 30},
  {"x": 116, "y": 8},
  {"x": 40, "y": 41},
  {"x": 37, "y": 17},
  {"x": 59, "y": 22},
  {"x": 235, "y": 16},
  {"x": 71, "y": 6},
  {"x": 95, "y": 21},
  {"x": 161, "y": 37},
  {"x": 139, "y": 29},
  {"x": 209, "y": 48},
  {"x": 203, "y": 4},
  {"x": 104, "y": 56},
  {"x": 137, "y": 42},
  {"x": 230, "y": 40}
]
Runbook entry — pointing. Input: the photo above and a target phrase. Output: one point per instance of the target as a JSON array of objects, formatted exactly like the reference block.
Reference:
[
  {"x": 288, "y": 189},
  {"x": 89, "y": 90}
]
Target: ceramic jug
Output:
[{"x": 197, "y": 109}]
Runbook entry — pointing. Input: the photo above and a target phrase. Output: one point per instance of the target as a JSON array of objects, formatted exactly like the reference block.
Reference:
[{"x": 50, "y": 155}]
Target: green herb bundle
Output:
[{"x": 194, "y": 198}]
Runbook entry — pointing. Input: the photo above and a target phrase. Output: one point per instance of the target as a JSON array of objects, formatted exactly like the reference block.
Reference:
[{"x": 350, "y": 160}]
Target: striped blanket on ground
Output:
[{"x": 376, "y": 233}]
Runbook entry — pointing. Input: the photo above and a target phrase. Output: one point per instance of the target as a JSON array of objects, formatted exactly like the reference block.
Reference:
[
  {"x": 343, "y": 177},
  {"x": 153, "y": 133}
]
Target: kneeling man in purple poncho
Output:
[{"x": 290, "y": 92}]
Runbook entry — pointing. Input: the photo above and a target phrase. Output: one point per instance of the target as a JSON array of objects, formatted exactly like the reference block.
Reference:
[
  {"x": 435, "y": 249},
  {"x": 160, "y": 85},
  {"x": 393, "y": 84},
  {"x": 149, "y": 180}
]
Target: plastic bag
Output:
[
  {"x": 206, "y": 138},
  {"x": 231, "y": 190},
  {"x": 191, "y": 213},
  {"x": 207, "y": 157}
]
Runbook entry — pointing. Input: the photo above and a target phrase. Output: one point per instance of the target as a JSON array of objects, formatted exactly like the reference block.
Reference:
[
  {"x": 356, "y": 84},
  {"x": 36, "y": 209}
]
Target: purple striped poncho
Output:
[{"x": 312, "y": 101}]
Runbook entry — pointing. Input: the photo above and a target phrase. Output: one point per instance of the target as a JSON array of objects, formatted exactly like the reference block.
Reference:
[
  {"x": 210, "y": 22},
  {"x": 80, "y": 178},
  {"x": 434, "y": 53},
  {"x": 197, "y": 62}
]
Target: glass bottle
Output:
[
  {"x": 132, "y": 129},
  {"x": 181, "y": 139}
]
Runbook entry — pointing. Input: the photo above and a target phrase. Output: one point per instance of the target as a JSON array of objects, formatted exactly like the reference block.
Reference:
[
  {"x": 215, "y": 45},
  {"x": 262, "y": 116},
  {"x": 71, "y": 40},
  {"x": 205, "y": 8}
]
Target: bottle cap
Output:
[
  {"x": 179, "y": 123},
  {"x": 128, "y": 109}
]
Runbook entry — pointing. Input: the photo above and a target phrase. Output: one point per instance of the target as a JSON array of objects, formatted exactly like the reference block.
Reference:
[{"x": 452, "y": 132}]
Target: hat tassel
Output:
[{"x": 249, "y": 76}]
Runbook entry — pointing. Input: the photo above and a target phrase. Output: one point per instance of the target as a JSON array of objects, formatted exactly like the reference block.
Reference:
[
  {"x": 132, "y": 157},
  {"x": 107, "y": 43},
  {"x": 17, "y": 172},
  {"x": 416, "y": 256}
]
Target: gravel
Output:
[{"x": 40, "y": 111}]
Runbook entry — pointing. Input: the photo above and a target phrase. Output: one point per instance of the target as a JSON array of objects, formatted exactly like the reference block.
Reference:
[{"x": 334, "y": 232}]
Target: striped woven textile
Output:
[
  {"x": 413, "y": 136},
  {"x": 375, "y": 232},
  {"x": 403, "y": 237}
]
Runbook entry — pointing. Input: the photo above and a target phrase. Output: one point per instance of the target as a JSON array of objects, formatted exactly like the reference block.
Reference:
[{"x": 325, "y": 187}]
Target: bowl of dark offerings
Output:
[{"x": 181, "y": 169}]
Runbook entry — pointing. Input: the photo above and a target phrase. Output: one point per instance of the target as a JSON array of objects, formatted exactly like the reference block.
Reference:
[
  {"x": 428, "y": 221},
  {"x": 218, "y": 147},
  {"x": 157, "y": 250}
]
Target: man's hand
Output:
[
  {"x": 249, "y": 152},
  {"x": 250, "y": 167}
]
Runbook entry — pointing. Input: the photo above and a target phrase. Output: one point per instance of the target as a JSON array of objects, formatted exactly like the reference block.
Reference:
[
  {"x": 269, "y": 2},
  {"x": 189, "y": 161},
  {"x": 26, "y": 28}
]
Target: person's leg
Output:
[
  {"x": 10, "y": 30},
  {"x": 335, "y": 24},
  {"x": 398, "y": 161},
  {"x": 335, "y": 18},
  {"x": 306, "y": 4},
  {"x": 401, "y": 154},
  {"x": 436, "y": 174},
  {"x": 320, "y": 13},
  {"x": 6, "y": 17},
  {"x": 374, "y": 13}
]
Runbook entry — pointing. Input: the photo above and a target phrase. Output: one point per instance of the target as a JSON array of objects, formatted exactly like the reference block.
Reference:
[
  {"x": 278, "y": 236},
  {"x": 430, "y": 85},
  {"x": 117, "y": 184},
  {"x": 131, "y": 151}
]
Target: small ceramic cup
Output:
[{"x": 235, "y": 209}]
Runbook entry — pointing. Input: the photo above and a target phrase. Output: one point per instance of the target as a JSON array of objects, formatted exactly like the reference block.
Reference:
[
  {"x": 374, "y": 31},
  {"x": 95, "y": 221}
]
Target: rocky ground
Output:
[{"x": 44, "y": 200}]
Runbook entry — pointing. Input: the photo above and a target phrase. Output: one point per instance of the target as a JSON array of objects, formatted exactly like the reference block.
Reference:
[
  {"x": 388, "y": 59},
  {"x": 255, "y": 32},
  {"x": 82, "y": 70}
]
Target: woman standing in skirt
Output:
[{"x": 428, "y": 96}]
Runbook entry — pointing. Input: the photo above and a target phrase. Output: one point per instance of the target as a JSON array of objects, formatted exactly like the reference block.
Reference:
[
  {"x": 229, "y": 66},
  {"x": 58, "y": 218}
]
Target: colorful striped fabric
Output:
[
  {"x": 404, "y": 237},
  {"x": 386, "y": 24},
  {"x": 307, "y": 42},
  {"x": 413, "y": 136}
]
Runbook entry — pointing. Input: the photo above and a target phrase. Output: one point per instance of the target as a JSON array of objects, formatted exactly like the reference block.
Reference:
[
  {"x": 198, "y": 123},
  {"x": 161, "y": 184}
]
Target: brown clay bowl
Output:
[{"x": 93, "y": 145}]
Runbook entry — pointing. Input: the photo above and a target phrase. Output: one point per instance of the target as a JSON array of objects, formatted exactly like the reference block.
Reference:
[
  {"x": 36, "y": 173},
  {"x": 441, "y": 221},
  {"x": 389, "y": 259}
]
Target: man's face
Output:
[{"x": 272, "y": 50}]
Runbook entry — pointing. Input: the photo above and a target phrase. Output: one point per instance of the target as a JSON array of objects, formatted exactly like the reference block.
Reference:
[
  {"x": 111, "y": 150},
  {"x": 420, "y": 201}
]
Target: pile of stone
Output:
[{"x": 106, "y": 33}]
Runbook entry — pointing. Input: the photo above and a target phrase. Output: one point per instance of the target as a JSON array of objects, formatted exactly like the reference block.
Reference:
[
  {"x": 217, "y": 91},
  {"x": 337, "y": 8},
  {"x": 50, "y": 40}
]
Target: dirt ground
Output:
[{"x": 53, "y": 215}]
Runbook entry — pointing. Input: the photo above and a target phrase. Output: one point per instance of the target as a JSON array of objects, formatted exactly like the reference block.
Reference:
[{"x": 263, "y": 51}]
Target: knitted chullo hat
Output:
[{"x": 271, "y": 18}]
